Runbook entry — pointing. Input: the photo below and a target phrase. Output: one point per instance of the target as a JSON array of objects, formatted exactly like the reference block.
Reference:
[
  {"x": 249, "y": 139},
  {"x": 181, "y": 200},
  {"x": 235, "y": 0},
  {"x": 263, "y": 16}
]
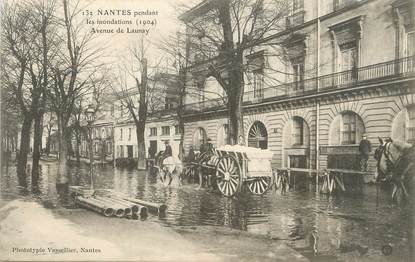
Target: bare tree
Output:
[
  {"x": 44, "y": 22},
  {"x": 25, "y": 26},
  {"x": 11, "y": 120},
  {"x": 224, "y": 34},
  {"x": 174, "y": 46},
  {"x": 99, "y": 87},
  {"x": 71, "y": 70},
  {"x": 140, "y": 94}
]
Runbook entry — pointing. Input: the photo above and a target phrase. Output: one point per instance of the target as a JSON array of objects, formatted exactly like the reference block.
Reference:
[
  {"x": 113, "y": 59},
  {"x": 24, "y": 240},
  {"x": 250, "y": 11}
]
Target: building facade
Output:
[
  {"x": 348, "y": 70},
  {"x": 161, "y": 122}
]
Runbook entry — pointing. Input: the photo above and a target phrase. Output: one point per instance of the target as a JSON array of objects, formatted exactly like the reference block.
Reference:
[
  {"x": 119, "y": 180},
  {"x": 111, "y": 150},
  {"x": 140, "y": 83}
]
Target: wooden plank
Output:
[
  {"x": 340, "y": 183},
  {"x": 348, "y": 171},
  {"x": 345, "y": 171}
]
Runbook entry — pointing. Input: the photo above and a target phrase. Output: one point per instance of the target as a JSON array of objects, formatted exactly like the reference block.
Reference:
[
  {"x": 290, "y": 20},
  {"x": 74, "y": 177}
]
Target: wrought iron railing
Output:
[
  {"x": 340, "y": 4},
  {"x": 211, "y": 105},
  {"x": 346, "y": 79},
  {"x": 295, "y": 19}
]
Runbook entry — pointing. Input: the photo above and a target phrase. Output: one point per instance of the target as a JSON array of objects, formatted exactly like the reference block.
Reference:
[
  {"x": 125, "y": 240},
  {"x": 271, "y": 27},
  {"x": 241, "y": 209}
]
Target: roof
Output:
[{"x": 197, "y": 10}]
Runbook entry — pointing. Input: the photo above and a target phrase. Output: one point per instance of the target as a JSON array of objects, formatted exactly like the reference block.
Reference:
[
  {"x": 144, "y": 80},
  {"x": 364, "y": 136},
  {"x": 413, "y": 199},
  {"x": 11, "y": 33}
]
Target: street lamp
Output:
[{"x": 90, "y": 115}]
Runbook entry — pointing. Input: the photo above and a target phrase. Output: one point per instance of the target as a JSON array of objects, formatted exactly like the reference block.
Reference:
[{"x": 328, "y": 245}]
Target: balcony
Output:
[
  {"x": 340, "y": 4},
  {"x": 338, "y": 81},
  {"x": 203, "y": 106},
  {"x": 295, "y": 19},
  {"x": 346, "y": 79}
]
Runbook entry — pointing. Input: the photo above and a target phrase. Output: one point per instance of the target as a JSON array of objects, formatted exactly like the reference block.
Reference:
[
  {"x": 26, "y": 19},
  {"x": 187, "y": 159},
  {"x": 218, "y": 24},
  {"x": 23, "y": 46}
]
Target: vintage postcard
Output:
[{"x": 207, "y": 130}]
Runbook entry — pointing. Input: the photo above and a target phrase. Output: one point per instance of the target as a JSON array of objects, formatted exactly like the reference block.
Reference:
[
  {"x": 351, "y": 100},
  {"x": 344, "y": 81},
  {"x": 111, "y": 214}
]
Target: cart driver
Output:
[
  {"x": 167, "y": 152},
  {"x": 206, "y": 147}
]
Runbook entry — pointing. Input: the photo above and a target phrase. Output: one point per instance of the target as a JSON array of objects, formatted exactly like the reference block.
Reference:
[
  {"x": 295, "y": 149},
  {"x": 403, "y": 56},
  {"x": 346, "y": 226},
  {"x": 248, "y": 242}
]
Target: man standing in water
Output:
[{"x": 364, "y": 150}]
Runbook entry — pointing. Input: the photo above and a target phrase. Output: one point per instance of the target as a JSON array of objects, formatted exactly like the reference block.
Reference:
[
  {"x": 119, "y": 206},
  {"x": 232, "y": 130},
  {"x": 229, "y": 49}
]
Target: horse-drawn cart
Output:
[
  {"x": 241, "y": 165},
  {"x": 232, "y": 167}
]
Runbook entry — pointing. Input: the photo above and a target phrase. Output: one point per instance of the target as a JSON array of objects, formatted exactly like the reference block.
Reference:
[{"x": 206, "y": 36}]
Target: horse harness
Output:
[
  {"x": 385, "y": 151},
  {"x": 391, "y": 166}
]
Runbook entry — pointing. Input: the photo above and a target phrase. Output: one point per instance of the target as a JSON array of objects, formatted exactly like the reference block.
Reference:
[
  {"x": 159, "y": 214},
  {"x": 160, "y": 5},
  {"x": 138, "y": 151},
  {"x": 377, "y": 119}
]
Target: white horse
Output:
[{"x": 171, "y": 166}]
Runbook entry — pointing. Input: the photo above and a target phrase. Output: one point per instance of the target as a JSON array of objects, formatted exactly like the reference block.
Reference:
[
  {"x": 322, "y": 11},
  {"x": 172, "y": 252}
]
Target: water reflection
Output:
[{"x": 318, "y": 226}]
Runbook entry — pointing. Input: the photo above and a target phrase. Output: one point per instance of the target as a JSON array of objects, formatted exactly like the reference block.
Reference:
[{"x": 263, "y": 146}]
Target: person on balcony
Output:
[{"x": 364, "y": 149}]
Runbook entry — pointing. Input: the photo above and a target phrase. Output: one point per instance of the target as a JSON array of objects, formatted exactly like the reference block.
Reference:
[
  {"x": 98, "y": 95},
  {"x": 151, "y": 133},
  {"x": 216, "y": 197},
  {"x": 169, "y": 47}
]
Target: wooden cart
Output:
[{"x": 240, "y": 165}]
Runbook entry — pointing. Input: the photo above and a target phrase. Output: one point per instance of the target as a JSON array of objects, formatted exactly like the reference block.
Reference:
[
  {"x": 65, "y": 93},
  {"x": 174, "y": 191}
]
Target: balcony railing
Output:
[
  {"x": 295, "y": 19},
  {"x": 340, "y": 4},
  {"x": 211, "y": 105},
  {"x": 346, "y": 79}
]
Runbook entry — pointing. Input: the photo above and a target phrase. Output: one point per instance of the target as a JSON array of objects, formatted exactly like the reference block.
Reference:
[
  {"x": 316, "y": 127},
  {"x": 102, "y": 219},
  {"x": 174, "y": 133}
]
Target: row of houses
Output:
[
  {"x": 349, "y": 71},
  {"x": 114, "y": 134}
]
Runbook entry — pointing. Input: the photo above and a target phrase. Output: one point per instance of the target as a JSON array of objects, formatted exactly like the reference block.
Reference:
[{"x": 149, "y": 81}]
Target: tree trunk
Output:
[
  {"x": 69, "y": 147},
  {"x": 235, "y": 88},
  {"x": 182, "y": 82},
  {"x": 37, "y": 144},
  {"x": 142, "y": 118},
  {"x": 236, "y": 127},
  {"x": 63, "y": 151},
  {"x": 181, "y": 144},
  {"x": 24, "y": 147},
  {"x": 78, "y": 145},
  {"x": 235, "y": 100},
  {"x": 91, "y": 155},
  {"x": 141, "y": 147}
]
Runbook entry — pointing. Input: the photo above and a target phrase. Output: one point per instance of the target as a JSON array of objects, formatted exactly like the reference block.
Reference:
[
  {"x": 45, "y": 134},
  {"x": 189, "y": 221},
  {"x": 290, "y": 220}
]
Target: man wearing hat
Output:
[
  {"x": 206, "y": 147},
  {"x": 364, "y": 150},
  {"x": 167, "y": 152}
]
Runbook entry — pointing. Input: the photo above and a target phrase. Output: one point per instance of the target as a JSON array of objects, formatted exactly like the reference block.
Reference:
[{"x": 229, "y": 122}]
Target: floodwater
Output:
[{"x": 320, "y": 227}]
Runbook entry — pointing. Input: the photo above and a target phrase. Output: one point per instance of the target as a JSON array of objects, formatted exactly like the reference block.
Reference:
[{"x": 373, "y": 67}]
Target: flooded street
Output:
[{"x": 317, "y": 226}]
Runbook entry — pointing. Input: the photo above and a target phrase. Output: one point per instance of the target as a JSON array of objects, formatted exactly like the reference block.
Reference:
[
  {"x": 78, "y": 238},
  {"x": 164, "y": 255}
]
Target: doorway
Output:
[{"x": 130, "y": 151}]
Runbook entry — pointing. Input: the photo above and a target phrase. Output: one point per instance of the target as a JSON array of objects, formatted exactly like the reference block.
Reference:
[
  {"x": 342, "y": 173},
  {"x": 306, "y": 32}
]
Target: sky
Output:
[{"x": 117, "y": 44}]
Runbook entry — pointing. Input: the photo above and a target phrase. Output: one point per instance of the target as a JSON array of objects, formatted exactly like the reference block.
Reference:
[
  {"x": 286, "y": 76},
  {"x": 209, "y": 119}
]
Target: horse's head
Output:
[
  {"x": 382, "y": 171},
  {"x": 387, "y": 155}
]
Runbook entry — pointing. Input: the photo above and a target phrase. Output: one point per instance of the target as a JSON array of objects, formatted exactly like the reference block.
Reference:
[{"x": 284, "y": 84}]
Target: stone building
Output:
[
  {"x": 348, "y": 70},
  {"x": 102, "y": 131},
  {"x": 161, "y": 121}
]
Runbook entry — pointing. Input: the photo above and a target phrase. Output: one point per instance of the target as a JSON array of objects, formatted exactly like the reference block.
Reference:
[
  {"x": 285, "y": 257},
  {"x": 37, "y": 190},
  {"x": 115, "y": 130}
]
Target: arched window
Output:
[
  {"x": 199, "y": 138},
  {"x": 346, "y": 129},
  {"x": 258, "y": 136},
  {"x": 223, "y": 135},
  {"x": 298, "y": 131},
  {"x": 403, "y": 126}
]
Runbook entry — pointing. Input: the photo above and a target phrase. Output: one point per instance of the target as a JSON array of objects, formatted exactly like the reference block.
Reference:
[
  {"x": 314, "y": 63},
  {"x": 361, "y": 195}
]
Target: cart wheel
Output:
[
  {"x": 260, "y": 185},
  {"x": 228, "y": 176}
]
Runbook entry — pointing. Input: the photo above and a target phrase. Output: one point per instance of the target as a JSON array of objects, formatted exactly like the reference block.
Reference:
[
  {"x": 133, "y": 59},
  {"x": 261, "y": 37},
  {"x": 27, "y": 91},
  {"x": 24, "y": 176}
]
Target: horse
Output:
[
  {"x": 168, "y": 166},
  {"x": 396, "y": 165}
]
